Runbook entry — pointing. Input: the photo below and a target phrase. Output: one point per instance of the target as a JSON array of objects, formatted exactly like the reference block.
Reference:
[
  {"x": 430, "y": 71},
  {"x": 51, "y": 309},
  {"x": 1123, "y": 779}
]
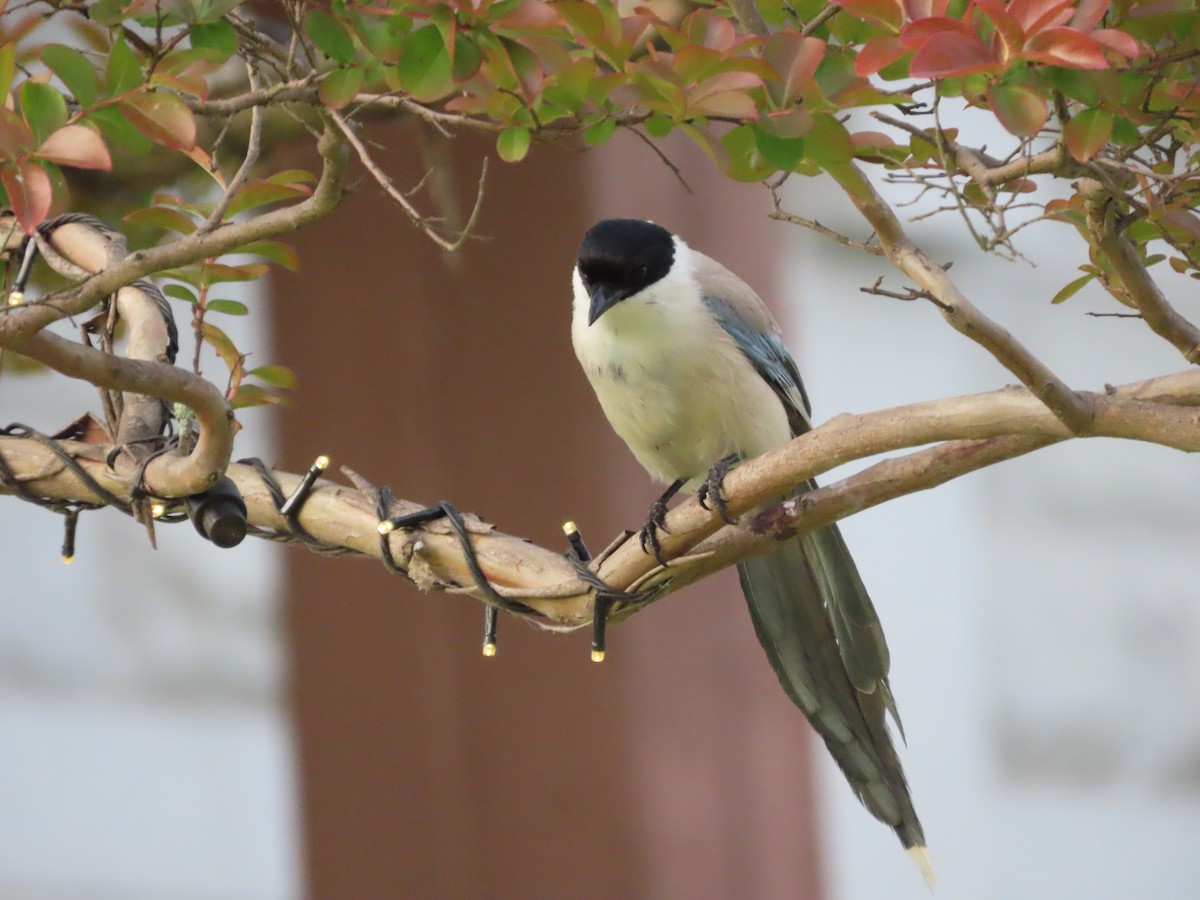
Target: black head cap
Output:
[{"x": 619, "y": 257}]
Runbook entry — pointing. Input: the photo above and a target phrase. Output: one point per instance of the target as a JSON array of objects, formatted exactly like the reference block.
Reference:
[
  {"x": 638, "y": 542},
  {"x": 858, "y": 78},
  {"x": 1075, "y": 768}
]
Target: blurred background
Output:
[{"x": 266, "y": 723}]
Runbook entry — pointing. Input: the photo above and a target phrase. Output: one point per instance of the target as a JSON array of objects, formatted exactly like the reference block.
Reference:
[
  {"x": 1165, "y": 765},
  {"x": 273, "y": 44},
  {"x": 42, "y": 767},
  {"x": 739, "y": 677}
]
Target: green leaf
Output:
[
  {"x": 1071, "y": 288},
  {"x": 220, "y": 273},
  {"x": 262, "y": 193},
  {"x": 828, "y": 143},
  {"x": 279, "y": 253},
  {"x": 1022, "y": 110},
  {"x": 74, "y": 70},
  {"x": 44, "y": 109},
  {"x": 276, "y": 376},
  {"x": 329, "y": 36},
  {"x": 658, "y": 126},
  {"x": 106, "y": 12},
  {"x": 513, "y": 143},
  {"x": 179, "y": 292},
  {"x": 163, "y": 217},
  {"x": 211, "y": 10},
  {"x": 1088, "y": 132},
  {"x": 228, "y": 307},
  {"x": 425, "y": 69},
  {"x": 253, "y": 395},
  {"x": 8, "y": 67},
  {"x": 600, "y": 131},
  {"x": 744, "y": 162},
  {"x": 783, "y": 153},
  {"x": 118, "y": 130},
  {"x": 340, "y": 86},
  {"x": 123, "y": 72},
  {"x": 218, "y": 36}
]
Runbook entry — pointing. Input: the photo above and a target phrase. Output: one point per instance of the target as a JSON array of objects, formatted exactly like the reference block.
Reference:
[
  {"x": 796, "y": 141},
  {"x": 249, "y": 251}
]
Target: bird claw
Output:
[
  {"x": 710, "y": 490},
  {"x": 655, "y": 522}
]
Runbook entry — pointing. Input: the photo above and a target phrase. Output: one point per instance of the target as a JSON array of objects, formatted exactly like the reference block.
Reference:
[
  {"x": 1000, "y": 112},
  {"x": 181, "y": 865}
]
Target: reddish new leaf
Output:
[
  {"x": 1032, "y": 12},
  {"x": 1065, "y": 47},
  {"x": 920, "y": 9},
  {"x": 915, "y": 34},
  {"x": 16, "y": 138},
  {"x": 888, "y": 13},
  {"x": 948, "y": 54},
  {"x": 1118, "y": 41},
  {"x": 29, "y": 193},
  {"x": 795, "y": 58},
  {"x": 1087, "y": 133},
  {"x": 77, "y": 146},
  {"x": 878, "y": 53},
  {"x": 1089, "y": 14},
  {"x": 163, "y": 118},
  {"x": 1009, "y": 37},
  {"x": 1020, "y": 109},
  {"x": 706, "y": 28}
]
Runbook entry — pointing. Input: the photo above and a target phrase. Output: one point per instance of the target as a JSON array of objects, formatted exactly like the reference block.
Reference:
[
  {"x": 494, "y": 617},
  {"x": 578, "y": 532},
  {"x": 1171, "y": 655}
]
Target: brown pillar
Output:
[{"x": 675, "y": 769}]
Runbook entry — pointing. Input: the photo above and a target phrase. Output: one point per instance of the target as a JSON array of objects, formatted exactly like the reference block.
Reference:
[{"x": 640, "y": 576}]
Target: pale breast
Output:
[{"x": 676, "y": 389}]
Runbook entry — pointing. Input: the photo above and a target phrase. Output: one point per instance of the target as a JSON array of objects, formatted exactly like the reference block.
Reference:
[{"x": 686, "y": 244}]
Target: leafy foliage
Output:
[{"x": 1109, "y": 85}]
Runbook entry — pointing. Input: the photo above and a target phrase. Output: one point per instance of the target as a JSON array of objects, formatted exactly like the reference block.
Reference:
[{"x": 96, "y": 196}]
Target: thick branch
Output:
[
  {"x": 1069, "y": 406},
  {"x": 979, "y": 430}
]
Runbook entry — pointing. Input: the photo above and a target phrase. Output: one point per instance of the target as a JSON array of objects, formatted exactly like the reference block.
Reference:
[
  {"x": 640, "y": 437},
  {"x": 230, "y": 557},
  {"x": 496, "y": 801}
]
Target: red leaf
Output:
[
  {"x": 915, "y": 34},
  {"x": 1118, "y": 41},
  {"x": 1065, "y": 47},
  {"x": 78, "y": 146},
  {"x": 1031, "y": 12},
  {"x": 706, "y": 28},
  {"x": 948, "y": 54},
  {"x": 1089, "y": 14},
  {"x": 920, "y": 9},
  {"x": 888, "y": 13},
  {"x": 1087, "y": 133},
  {"x": 29, "y": 193},
  {"x": 1009, "y": 34},
  {"x": 724, "y": 104},
  {"x": 16, "y": 138},
  {"x": 796, "y": 59},
  {"x": 1020, "y": 109},
  {"x": 163, "y": 118},
  {"x": 878, "y": 53}
]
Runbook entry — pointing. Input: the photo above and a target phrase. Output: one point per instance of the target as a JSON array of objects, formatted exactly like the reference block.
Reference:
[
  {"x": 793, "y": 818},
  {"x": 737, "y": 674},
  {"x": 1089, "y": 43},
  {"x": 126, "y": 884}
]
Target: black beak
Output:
[{"x": 604, "y": 297}]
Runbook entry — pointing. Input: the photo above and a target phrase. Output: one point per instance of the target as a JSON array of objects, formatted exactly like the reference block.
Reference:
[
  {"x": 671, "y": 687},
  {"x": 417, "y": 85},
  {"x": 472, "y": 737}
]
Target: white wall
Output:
[
  {"x": 144, "y": 747},
  {"x": 1043, "y": 615}
]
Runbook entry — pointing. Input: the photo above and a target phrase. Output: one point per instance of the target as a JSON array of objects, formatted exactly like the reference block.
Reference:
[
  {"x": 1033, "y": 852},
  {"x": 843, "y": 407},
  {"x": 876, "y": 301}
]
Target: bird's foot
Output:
[
  {"x": 655, "y": 522},
  {"x": 710, "y": 490}
]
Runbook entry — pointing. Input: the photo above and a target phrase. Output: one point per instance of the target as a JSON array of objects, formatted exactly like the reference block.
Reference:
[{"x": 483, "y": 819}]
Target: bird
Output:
[{"x": 691, "y": 370}]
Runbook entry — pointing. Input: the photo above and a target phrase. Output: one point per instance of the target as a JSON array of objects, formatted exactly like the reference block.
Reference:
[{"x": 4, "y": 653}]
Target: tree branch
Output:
[
  {"x": 977, "y": 431},
  {"x": 1067, "y": 405},
  {"x": 1140, "y": 287}
]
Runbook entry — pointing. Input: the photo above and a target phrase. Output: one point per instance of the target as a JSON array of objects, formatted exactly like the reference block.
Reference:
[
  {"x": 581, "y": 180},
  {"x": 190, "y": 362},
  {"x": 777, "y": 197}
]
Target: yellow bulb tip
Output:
[
  {"x": 597, "y": 656},
  {"x": 385, "y": 527},
  {"x": 16, "y": 298},
  {"x": 157, "y": 510},
  {"x": 489, "y": 649},
  {"x": 67, "y": 560},
  {"x": 322, "y": 462},
  {"x": 569, "y": 528}
]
